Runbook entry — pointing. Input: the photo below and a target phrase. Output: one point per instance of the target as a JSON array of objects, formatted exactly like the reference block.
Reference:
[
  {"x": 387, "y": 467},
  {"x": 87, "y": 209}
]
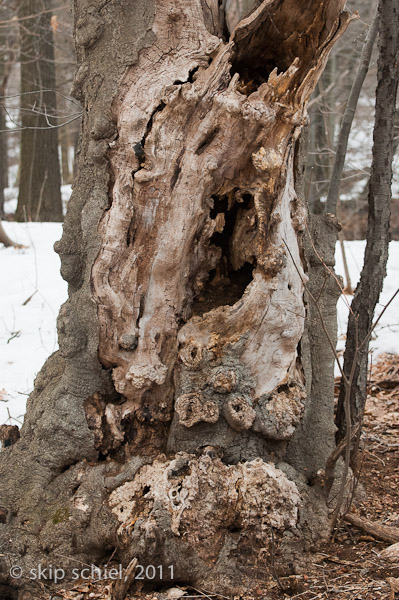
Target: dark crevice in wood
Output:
[
  {"x": 190, "y": 78},
  {"x": 158, "y": 109},
  {"x": 207, "y": 141},
  {"x": 252, "y": 75},
  {"x": 177, "y": 170},
  {"x": 225, "y": 285},
  {"x": 139, "y": 147},
  {"x": 102, "y": 457},
  {"x": 223, "y": 29}
]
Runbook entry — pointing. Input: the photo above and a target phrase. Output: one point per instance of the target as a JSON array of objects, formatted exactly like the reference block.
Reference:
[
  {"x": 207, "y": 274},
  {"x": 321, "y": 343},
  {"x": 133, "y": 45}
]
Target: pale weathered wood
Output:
[
  {"x": 392, "y": 552},
  {"x": 184, "y": 141}
]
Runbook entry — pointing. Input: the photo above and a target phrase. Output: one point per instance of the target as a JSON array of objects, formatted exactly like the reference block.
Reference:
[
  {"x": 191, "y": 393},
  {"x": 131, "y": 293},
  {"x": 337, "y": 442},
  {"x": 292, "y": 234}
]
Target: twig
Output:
[
  {"x": 348, "y": 423},
  {"x": 328, "y": 89},
  {"x": 332, "y": 346},
  {"x": 39, "y": 204},
  {"x": 272, "y": 564},
  {"x": 348, "y": 382},
  {"x": 348, "y": 287},
  {"x": 336, "y": 453},
  {"x": 382, "y": 532},
  {"x": 379, "y": 318},
  {"x": 122, "y": 585}
]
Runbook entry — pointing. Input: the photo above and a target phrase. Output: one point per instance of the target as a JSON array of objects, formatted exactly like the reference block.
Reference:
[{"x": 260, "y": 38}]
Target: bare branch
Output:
[{"x": 333, "y": 192}]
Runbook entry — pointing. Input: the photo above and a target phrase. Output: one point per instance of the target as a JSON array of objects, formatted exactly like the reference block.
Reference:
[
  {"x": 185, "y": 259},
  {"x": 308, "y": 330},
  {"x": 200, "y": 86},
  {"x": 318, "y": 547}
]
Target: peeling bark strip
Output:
[{"x": 193, "y": 282}]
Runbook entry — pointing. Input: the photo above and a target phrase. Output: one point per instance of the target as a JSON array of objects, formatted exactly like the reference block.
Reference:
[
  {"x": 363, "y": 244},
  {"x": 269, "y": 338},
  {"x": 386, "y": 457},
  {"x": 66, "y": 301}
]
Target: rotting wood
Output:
[
  {"x": 122, "y": 585},
  {"x": 212, "y": 121}
]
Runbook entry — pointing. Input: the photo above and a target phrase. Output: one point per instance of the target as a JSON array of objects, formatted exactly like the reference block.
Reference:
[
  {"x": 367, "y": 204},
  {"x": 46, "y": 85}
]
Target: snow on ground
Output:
[
  {"x": 385, "y": 336},
  {"x": 32, "y": 292},
  {"x": 11, "y": 198}
]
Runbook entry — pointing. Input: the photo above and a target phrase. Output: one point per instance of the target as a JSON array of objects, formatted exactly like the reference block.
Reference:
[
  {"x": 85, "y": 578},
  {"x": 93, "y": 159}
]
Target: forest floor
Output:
[{"x": 350, "y": 566}]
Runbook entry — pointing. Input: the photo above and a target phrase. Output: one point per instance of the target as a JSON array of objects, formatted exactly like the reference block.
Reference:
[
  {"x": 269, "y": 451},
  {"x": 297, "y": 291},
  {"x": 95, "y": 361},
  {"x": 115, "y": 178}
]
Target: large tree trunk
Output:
[
  {"x": 174, "y": 423},
  {"x": 39, "y": 197}
]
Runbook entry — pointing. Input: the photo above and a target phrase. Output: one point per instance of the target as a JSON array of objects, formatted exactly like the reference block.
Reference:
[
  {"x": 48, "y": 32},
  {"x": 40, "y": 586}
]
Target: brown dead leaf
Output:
[
  {"x": 391, "y": 553},
  {"x": 54, "y": 24},
  {"x": 394, "y": 583}
]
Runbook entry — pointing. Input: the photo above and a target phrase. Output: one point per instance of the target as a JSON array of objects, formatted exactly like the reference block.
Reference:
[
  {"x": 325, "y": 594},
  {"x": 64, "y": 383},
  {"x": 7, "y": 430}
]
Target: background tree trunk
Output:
[
  {"x": 7, "y": 57},
  {"x": 3, "y": 151},
  {"x": 170, "y": 425},
  {"x": 4, "y": 239},
  {"x": 39, "y": 196},
  {"x": 321, "y": 137}
]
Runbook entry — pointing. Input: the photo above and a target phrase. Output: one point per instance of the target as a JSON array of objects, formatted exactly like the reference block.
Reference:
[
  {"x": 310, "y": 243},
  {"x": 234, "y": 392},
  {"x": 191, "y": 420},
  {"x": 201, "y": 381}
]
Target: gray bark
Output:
[{"x": 376, "y": 254}]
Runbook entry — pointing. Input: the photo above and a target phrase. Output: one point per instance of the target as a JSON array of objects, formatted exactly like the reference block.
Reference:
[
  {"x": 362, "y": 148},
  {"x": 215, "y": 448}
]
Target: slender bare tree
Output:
[
  {"x": 185, "y": 419},
  {"x": 378, "y": 237}
]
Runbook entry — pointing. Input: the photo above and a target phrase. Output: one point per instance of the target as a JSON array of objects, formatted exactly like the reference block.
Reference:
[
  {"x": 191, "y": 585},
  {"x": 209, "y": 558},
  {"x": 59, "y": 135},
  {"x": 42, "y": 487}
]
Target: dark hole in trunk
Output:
[
  {"x": 257, "y": 54},
  {"x": 225, "y": 285},
  {"x": 252, "y": 75}
]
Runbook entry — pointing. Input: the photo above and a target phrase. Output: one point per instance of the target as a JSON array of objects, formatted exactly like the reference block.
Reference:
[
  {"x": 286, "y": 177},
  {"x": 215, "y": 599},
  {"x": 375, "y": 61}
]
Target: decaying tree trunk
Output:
[{"x": 186, "y": 416}]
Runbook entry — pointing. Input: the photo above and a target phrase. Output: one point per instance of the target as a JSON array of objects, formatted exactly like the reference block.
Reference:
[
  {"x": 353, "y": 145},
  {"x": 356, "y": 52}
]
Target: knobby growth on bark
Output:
[{"x": 173, "y": 425}]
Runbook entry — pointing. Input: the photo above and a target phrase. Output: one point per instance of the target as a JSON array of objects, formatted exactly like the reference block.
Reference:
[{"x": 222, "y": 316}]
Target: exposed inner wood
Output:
[{"x": 194, "y": 278}]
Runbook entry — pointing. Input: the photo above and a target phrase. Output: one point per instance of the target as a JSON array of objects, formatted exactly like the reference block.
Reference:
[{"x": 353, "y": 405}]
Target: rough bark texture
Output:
[
  {"x": 170, "y": 426},
  {"x": 39, "y": 197},
  {"x": 379, "y": 204}
]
